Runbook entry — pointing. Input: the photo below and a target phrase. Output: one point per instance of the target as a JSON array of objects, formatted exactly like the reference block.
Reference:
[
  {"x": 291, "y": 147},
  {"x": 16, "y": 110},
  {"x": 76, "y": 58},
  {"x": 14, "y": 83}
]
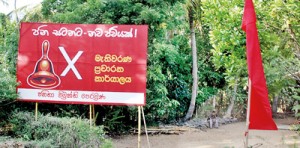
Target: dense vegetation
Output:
[
  {"x": 222, "y": 72},
  {"x": 51, "y": 131}
]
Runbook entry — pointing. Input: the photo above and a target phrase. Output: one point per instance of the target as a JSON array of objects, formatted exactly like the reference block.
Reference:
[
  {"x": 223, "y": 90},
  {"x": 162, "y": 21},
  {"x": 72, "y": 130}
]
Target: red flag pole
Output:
[
  {"x": 248, "y": 114},
  {"x": 260, "y": 116}
]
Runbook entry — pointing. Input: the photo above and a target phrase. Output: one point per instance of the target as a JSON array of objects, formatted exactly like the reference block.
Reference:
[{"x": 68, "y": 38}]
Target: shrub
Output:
[
  {"x": 57, "y": 132},
  {"x": 296, "y": 127}
]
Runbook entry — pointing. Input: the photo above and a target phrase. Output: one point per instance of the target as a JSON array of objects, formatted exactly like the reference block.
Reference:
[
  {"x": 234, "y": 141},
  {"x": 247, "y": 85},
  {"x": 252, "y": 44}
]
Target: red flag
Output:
[{"x": 260, "y": 110}]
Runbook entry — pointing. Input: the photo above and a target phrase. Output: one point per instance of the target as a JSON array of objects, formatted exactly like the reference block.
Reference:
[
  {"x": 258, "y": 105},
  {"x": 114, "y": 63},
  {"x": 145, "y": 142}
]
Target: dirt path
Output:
[{"x": 231, "y": 135}]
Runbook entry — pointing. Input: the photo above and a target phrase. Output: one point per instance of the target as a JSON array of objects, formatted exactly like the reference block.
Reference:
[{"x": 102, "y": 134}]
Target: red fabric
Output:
[{"x": 260, "y": 110}]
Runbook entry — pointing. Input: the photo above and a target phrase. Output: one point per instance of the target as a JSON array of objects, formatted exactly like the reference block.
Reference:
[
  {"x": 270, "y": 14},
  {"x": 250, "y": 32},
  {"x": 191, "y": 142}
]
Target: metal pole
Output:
[{"x": 248, "y": 114}]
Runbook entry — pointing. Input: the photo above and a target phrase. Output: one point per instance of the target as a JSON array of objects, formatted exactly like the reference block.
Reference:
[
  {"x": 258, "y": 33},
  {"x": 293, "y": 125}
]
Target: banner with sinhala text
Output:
[{"x": 82, "y": 63}]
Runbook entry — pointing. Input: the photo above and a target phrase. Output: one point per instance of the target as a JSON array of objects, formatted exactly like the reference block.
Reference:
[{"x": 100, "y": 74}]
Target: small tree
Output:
[{"x": 194, "y": 17}]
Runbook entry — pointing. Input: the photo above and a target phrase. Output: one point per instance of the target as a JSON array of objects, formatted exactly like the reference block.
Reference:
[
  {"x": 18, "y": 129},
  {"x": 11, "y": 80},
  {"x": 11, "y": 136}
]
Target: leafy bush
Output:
[
  {"x": 57, "y": 132},
  {"x": 296, "y": 107},
  {"x": 8, "y": 54}
]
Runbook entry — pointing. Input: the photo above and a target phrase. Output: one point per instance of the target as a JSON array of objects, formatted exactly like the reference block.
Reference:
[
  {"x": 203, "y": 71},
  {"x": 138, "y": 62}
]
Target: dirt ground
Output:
[{"x": 226, "y": 136}]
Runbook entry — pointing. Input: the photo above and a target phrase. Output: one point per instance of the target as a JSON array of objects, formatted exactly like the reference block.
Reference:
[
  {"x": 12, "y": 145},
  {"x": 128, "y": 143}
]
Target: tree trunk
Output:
[
  {"x": 231, "y": 105},
  {"x": 195, "y": 74},
  {"x": 274, "y": 105},
  {"x": 16, "y": 13},
  {"x": 220, "y": 101},
  {"x": 214, "y": 102}
]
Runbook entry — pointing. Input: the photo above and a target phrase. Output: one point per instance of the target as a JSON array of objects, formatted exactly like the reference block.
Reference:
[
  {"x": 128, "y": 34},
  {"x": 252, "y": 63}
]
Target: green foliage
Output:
[
  {"x": 113, "y": 121},
  {"x": 155, "y": 14},
  {"x": 56, "y": 132},
  {"x": 277, "y": 24},
  {"x": 69, "y": 11},
  {"x": 7, "y": 85},
  {"x": 221, "y": 53},
  {"x": 64, "y": 110},
  {"x": 122, "y": 12},
  {"x": 34, "y": 15},
  {"x": 278, "y": 44},
  {"x": 279, "y": 41},
  {"x": 8, "y": 48},
  {"x": 169, "y": 60},
  {"x": 226, "y": 36},
  {"x": 205, "y": 94},
  {"x": 296, "y": 107},
  {"x": 296, "y": 128},
  {"x": 166, "y": 86}
]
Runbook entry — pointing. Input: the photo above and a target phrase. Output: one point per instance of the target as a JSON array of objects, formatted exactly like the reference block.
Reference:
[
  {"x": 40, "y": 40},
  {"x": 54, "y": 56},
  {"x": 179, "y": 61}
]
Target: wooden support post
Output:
[
  {"x": 139, "y": 126},
  {"x": 94, "y": 115},
  {"x": 91, "y": 115},
  {"x": 36, "y": 111},
  {"x": 146, "y": 131},
  {"x": 248, "y": 114}
]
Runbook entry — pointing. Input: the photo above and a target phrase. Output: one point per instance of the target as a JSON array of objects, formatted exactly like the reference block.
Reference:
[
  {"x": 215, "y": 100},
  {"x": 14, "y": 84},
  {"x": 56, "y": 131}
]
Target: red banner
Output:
[
  {"x": 260, "y": 116},
  {"x": 82, "y": 63}
]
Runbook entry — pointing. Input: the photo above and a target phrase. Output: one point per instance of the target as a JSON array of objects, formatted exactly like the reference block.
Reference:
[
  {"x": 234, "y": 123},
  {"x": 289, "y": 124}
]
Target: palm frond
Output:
[{"x": 4, "y": 2}]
